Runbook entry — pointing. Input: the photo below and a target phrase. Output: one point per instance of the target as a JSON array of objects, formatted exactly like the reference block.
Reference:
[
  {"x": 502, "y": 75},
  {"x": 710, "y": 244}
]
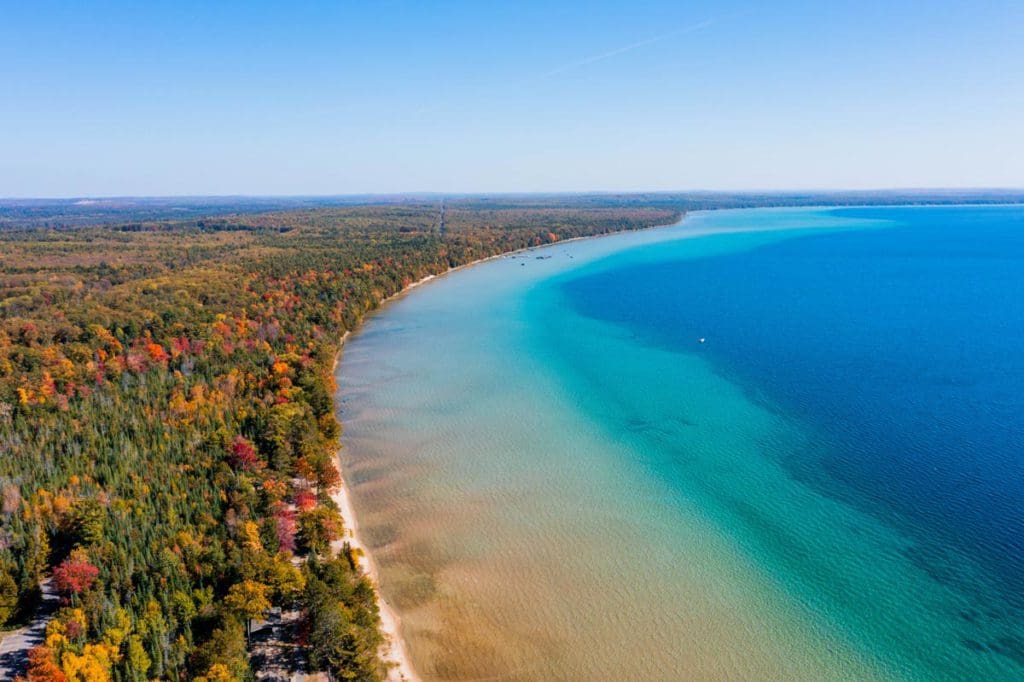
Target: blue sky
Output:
[{"x": 162, "y": 98}]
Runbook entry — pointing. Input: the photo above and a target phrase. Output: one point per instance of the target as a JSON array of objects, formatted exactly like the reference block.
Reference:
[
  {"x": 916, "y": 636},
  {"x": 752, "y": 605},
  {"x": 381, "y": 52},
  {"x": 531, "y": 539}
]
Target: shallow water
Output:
[{"x": 558, "y": 481}]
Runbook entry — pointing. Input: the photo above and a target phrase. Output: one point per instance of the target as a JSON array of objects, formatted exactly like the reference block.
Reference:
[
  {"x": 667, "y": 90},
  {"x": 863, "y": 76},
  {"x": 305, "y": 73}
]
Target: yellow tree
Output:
[
  {"x": 218, "y": 672},
  {"x": 247, "y": 600}
]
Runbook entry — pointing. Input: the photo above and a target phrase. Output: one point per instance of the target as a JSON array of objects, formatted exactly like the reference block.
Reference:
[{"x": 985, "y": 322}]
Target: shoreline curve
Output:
[{"x": 394, "y": 652}]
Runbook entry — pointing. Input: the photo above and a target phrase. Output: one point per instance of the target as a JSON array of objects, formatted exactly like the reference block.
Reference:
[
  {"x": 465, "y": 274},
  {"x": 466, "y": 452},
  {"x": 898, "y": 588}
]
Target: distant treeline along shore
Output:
[{"x": 167, "y": 427}]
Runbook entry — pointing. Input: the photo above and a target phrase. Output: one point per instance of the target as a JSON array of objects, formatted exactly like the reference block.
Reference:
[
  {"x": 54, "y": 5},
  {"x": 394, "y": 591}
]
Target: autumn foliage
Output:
[
  {"x": 305, "y": 500},
  {"x": 167, "y": 424},
  {"x": 43, "y": 667},
  {"x": 243, "y": 454},
  {"x": 74, "y": 575}
]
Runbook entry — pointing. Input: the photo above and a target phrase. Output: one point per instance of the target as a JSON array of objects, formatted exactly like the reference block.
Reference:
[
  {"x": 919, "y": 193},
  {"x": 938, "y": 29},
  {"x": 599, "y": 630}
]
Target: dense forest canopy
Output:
[
  {"x": 65, "y": 213},
  {"x": 167, "y": 428}
]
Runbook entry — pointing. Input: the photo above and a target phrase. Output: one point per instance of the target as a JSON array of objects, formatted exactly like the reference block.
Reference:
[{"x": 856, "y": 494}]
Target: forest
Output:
[
  {"x": 63, "y": 213},
  {"x": 168, "y": 433}
]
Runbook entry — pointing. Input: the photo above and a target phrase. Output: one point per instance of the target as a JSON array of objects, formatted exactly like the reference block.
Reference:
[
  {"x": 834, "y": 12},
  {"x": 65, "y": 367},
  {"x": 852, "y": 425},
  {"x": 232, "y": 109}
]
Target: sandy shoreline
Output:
[{"x": 395, "y": 653}]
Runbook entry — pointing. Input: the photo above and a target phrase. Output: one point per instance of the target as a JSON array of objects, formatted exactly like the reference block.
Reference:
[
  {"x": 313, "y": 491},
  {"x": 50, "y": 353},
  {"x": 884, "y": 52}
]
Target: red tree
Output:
[
  {"x": 243, "y": 454},
  {"x": 74, "y": 575},
  {"x": 305, "y": 500}
]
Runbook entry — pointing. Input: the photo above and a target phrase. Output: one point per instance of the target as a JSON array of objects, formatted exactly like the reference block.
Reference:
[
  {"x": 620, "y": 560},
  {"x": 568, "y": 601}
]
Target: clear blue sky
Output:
[{"x": 160, "y": 98}]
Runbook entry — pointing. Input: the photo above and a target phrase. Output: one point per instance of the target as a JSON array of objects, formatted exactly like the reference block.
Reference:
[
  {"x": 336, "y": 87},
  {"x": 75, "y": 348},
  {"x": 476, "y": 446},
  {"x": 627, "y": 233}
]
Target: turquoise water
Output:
[{"x": 559, "y": 481}]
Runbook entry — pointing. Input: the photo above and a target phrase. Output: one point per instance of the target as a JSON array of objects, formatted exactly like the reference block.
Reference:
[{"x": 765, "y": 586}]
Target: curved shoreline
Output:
[
  {"x": 491, "y": 618},
  {"x": 395, "y": 653}
]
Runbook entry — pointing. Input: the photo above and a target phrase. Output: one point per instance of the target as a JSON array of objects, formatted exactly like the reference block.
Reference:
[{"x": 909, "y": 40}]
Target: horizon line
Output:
[{"x": 519, "y": 193}]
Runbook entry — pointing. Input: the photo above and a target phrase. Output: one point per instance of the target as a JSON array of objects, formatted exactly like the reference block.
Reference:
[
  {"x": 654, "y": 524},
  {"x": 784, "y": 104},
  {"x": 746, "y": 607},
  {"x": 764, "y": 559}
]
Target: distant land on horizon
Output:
[
  {"x": 456, "y": 341},
  {"x": 86, "y": 210},
  {"x": 172, "y": 396}
]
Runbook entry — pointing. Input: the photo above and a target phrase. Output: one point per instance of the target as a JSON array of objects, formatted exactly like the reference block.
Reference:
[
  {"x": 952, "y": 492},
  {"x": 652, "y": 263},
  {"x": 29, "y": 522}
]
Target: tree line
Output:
[{"x": 168, "y": 432}]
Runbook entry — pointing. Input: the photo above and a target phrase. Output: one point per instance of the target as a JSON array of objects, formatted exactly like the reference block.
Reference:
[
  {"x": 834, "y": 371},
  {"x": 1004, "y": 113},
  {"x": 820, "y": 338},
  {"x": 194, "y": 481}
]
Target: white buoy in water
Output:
[{"x": 702, "y": 339}]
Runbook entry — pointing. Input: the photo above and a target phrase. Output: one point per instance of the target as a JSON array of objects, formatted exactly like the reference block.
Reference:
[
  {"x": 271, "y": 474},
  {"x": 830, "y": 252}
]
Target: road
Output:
[
  {"x": 275, "y": 656},
  {"x": 15, "y": 645}
]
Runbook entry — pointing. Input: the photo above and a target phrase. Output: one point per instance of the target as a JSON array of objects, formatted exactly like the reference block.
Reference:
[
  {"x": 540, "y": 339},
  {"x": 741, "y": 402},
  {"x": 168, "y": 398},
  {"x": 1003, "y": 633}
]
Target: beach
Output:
[
  {"x": 395, "y": 654},
  {"x": 454, "y": 634},
  {"x": 552, "y": 494}
]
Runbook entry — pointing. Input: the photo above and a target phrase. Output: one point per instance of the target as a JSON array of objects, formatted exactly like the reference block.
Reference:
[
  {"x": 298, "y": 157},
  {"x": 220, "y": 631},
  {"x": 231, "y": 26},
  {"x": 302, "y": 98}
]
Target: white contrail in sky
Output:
[{"x": 627, "y": 48}]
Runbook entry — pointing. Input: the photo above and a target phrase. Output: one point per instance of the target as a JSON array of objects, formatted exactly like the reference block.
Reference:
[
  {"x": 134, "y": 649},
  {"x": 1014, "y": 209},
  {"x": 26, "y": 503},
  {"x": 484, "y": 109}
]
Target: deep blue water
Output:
[
  {"x": 564, "y": 483},
  {"x": 900, "y": 348}
]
